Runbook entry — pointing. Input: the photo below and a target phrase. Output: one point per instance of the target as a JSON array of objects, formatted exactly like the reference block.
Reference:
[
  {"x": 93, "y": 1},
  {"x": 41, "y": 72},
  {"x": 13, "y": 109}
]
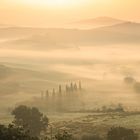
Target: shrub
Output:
[
  {"x": 63, "y": 136},
  {"x": 121, "y": 133},
  {"x": 90, "y": 137},
  {"x": 14, "y": 133},
  {"x": 129, "y": 80}
]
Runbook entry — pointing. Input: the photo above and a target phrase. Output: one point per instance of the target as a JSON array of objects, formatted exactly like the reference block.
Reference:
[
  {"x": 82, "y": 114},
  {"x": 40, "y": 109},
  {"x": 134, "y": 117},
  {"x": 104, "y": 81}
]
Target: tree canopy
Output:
[
  {"x": 30, "y": 119},
  {"x": 14, "y": 133},
  {"x": 63, "y": 136},
  {"x": 121, "y": 133}
]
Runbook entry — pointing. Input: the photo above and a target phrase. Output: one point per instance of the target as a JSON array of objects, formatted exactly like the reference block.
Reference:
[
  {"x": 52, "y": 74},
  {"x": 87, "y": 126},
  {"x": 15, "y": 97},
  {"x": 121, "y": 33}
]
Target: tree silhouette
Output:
[
  {"x": 129, "y": 80},
  {"x": 14, "y": 133},
  {"x": 121, "y": 133},
  {"x": 30, "y": 119},
  {"x": 63, "y": 136}
]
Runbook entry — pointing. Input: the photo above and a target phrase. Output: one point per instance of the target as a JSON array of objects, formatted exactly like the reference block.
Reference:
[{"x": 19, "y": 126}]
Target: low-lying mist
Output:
[
  {"x": 101, "y": 69},
  {"x": 35, "y": 61}
]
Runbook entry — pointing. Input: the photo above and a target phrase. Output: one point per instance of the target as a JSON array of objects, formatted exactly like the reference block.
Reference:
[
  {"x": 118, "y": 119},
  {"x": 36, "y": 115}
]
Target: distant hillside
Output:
[
  {"x": 9, "y": 31},
  {"x": 17, "y": 80},
  {"x": 123, "y": 33},
  {"x": 97, "y": 22},
  {"x": 18, "y": 32}
]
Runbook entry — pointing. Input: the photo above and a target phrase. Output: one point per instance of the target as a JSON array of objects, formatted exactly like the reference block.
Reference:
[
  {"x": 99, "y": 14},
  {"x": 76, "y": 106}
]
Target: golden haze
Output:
[{"x": 57, "y": 12}]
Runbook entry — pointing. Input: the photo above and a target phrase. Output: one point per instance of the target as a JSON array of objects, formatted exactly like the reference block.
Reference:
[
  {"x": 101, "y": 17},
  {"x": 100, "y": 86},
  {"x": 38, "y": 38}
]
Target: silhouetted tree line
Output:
[
  {"x": 62, "y": 99},
  {"x": 30, "y": 124},
  {"x": 118, "y": 108},
  {"x": 104, "y": 109},
  {"x": 69, "y": 89}
]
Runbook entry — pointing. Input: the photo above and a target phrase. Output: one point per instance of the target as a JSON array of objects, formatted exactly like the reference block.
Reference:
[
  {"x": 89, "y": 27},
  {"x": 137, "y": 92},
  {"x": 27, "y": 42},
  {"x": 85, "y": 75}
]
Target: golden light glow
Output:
[
  {"x": 52, "y": 3},
  {"x": 60, "y": 2},
  {"x": 57, "y": 12}
]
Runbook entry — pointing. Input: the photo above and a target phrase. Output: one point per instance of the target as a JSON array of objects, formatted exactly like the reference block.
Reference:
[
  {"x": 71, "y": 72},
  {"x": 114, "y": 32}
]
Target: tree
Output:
[
  {"x": 30, "y": 119},
  {"x": 63, "y": 136},
  {"x": 14, "y": 133},
  {"x": 90, "y": 137},
  {"x": 137, "y": 87},
  {"x": 121, "y": 133},
  {"x": 129, "y": 80}
]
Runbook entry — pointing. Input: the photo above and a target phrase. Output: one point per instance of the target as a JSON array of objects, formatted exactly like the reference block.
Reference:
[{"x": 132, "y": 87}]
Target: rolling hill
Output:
[
  {"x": 98, "y": 22},
  {"x": 15, "y": 80},
  {"x": 122, "y": 33}
]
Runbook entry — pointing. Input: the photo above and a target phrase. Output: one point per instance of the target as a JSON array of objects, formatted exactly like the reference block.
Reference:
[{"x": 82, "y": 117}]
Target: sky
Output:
[{"x": 43, "y": 13}]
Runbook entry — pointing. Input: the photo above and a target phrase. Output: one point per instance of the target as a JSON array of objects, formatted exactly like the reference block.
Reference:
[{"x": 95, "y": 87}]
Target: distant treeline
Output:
[
  {"x": 61, "y": 99},
  {"x": 104, "y": 109},
  {"x": 69, "y": 89},
  {"x": 133, "y": 82}
]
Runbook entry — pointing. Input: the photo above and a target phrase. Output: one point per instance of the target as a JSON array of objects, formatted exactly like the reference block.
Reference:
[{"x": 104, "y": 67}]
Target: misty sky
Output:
[{"x": 57, "y": 12}]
